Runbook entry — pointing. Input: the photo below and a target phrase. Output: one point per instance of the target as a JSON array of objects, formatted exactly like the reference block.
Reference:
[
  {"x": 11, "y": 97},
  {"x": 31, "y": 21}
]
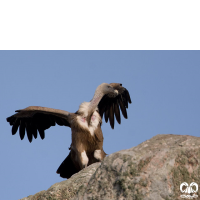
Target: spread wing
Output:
[
  {"x": 36, "y": 118},
  {"x": 110, "y": 107}
]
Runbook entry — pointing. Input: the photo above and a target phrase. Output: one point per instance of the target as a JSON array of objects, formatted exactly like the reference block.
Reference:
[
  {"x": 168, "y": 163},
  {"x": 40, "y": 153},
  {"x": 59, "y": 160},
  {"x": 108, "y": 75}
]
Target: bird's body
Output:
[{"x": 87, "y": 138}]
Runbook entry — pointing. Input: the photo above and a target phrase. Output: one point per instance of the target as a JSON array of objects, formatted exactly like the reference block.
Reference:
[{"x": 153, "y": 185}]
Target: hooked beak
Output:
[
  {"x": 113, "y": 94},
  {"x": 116, "y": 92}
]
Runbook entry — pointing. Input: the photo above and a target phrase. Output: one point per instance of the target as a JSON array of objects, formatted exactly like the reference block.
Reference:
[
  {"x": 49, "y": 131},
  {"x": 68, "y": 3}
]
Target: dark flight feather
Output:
[
  {"x": 117, "y": 112},
  {"x": 22, "y": 129},
  {"x": 34, "y": 118},
  {"x": 111, "y": 116},
  {"x": 34, "y": 131},
  {"x": 122, "y": 107},
  {"x": 128, "y": 96},
  {"x": 106, "y": 113},
  {"x": 110, "y": 106},
  {"x": 15, "y": 126},
  {"x": 42, "y": 133},
  {"x": 28, "y": 131}
]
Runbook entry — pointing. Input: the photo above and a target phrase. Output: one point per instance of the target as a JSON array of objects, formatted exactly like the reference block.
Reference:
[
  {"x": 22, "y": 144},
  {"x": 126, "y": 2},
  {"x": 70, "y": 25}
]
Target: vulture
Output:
[{"x": 87, "y": 138}]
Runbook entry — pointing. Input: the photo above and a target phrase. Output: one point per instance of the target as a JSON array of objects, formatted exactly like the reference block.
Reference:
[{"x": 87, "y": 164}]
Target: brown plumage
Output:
[{"x": 87, "y": 138}]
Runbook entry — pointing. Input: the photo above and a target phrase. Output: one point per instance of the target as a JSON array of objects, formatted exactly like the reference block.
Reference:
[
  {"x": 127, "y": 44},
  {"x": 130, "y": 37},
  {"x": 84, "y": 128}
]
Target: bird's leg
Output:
[
  {"x": 97, "y": 155},
  {"x": 83, "y": 160}
]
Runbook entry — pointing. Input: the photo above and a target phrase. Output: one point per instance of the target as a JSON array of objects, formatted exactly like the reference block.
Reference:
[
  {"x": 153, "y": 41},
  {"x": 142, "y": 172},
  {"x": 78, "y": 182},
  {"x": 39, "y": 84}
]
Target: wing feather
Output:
[
  {"x": 35, "y": 118},
  {"x": 29, "y": 132},
  {"x": 34, "y": 131},
  {"x": 111, "y": 116},
  {"x": 59, "y": 121},
  {"x": 125, "y": 100},
  {"x": 22, "y": 129},
  {"x": 128, "y": 96},
  {"x": 123, "y": 108},
  {"x": 110, "y": 106},
  {"x": 12, "y": 120},
  {"x": 15, "y": 126},
  {"x": 106, "y": 114},
  {"x": 117, "y": 112},
  {"x": 103, "y": 106},
  {"x": 41, "y": 132}
]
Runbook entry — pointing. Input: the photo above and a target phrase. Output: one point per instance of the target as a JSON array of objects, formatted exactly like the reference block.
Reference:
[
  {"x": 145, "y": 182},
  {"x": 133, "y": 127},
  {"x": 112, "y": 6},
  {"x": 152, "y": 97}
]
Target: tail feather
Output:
[{"x": 67, "y": 168}]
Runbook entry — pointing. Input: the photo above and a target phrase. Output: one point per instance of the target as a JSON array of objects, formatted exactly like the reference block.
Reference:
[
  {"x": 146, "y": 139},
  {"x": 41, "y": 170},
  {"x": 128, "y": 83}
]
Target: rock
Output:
[
  {"x": 66, "y": 189},
  {"x": 152, "y": 170}
]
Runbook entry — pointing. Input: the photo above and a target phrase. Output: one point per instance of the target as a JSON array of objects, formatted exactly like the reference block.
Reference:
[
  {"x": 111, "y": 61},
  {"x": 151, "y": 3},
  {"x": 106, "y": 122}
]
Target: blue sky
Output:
[{"x": 164, "y": 88}]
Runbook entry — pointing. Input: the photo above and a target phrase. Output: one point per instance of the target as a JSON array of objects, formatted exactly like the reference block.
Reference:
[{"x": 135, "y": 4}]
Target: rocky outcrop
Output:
[
  {"x": 152, "y": 170},
  {"x": 66, "y": 189}
]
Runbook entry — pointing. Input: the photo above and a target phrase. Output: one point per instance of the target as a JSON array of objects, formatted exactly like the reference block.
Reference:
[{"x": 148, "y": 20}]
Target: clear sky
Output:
[{"x": 164, "y": 88}]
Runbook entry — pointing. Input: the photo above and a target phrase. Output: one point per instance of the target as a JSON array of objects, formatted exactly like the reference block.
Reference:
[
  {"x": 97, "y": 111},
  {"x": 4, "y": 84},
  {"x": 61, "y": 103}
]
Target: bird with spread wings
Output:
[{"x": 87, "y": 138}]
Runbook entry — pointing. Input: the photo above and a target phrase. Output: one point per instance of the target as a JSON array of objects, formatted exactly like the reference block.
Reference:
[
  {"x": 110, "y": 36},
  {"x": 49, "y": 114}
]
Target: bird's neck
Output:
[
  {"x": 93, "y": 104},
  {"x": 95, "y": 100}
]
